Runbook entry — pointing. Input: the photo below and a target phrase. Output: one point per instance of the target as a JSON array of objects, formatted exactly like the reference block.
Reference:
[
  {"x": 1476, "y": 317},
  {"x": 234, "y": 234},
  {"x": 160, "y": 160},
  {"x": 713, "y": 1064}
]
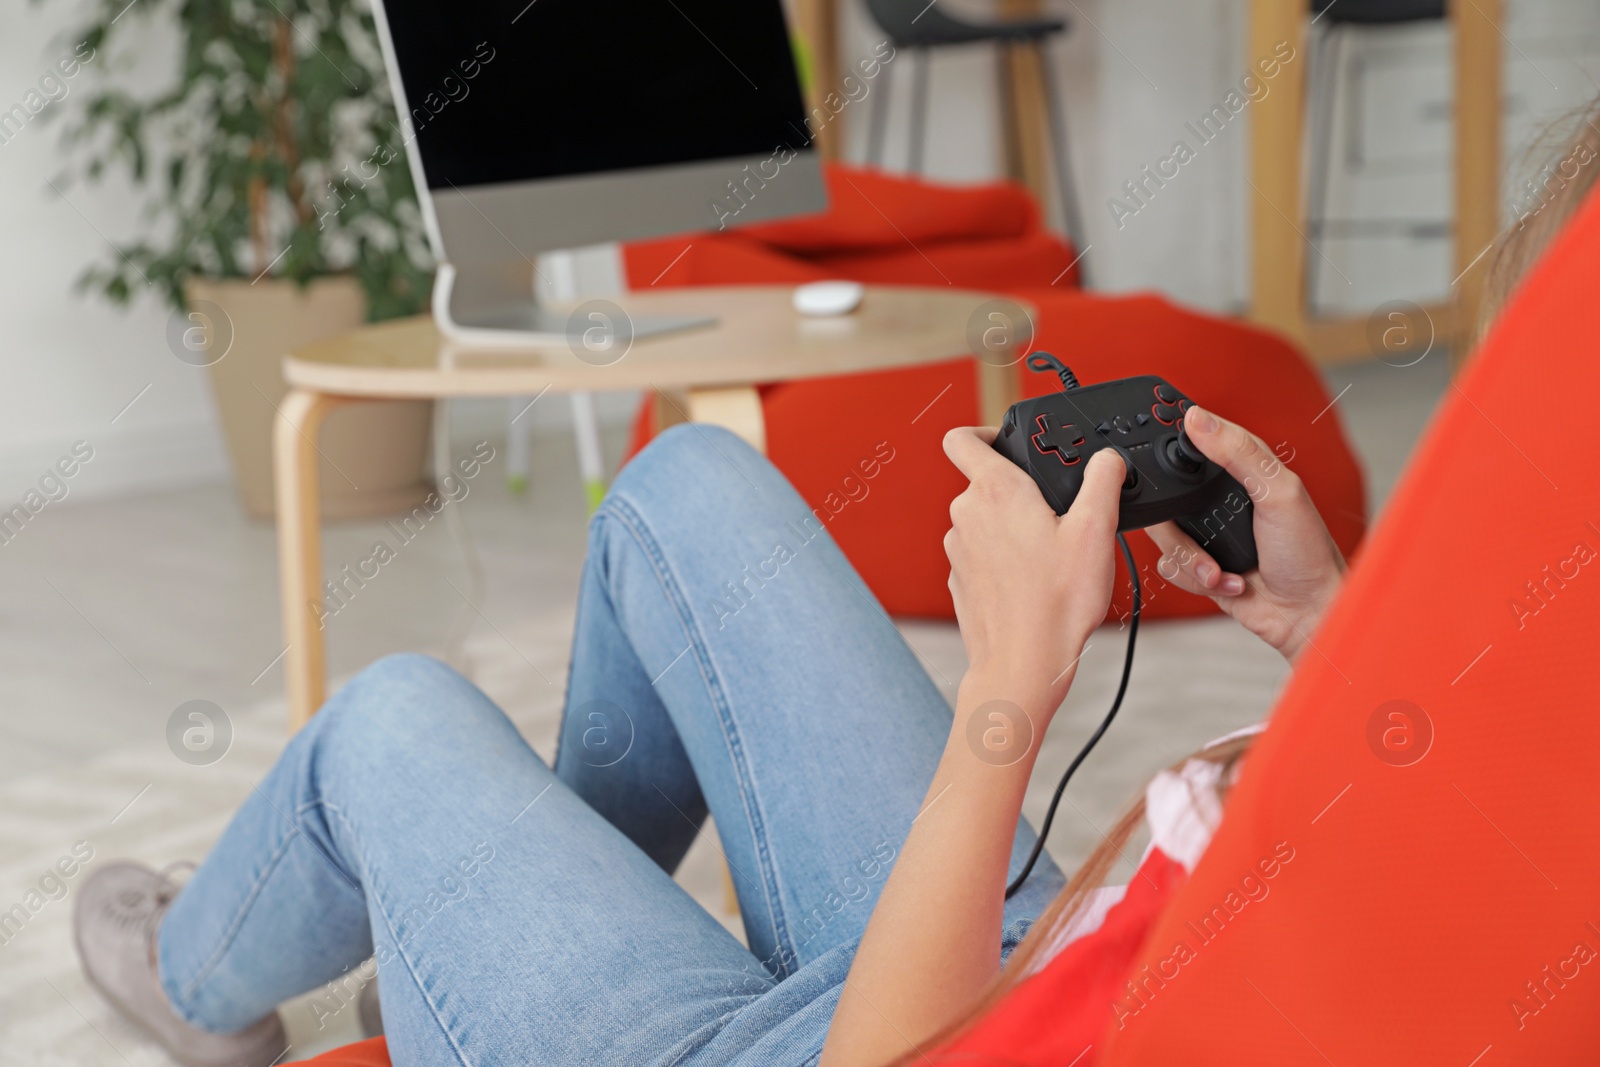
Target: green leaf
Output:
[{"x": 229, "y": 122}]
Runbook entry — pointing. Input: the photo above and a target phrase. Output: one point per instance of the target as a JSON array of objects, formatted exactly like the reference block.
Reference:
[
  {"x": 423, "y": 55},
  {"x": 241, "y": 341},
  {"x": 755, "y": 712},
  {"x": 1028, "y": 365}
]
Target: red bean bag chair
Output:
[{"x": 903, "y": 231}]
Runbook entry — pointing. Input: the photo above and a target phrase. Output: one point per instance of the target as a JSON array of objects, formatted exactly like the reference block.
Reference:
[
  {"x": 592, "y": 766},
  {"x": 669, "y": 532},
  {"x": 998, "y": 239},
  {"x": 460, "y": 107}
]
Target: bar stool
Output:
[{"x": 921, "y": 27}]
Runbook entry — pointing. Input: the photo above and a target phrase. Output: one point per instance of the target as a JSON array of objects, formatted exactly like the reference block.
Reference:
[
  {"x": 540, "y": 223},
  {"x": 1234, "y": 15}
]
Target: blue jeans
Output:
[{"x": 726, "y": 659}]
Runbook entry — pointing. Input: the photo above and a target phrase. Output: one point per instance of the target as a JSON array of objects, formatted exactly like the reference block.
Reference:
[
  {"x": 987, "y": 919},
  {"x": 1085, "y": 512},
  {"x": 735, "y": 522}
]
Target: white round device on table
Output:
[{"x": 827, "y": 299}]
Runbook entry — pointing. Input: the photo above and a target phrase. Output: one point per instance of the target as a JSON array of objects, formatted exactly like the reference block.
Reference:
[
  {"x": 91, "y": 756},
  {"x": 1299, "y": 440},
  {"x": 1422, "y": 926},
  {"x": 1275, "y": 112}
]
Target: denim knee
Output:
[
  {"x": 691, "y": 454},
  {"x": 393, "y": 712},
  {"x": 699, "y": 479}
]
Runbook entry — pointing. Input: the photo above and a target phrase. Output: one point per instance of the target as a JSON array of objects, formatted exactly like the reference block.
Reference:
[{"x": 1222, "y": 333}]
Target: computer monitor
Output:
[{"x": 539, "y": 125}]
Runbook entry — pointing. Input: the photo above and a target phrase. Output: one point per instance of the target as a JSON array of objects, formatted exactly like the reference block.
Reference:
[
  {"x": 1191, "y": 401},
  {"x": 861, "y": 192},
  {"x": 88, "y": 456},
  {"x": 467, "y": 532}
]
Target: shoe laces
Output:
[{"x": 144, "y": 911}]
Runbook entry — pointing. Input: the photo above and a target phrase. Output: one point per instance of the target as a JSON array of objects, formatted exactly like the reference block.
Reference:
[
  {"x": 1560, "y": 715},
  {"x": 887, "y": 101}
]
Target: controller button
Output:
[
  {"x": 1167, "y": 413},
  {"x": 1121, "y": 424},
  {"x": 1167, "y": 394},
  {"x": 1061, "y": 440},
  {"x": 1131, "y": 482},
  {"x": 1141, "y": 418},
  {"x": 1103, "y": 428}
]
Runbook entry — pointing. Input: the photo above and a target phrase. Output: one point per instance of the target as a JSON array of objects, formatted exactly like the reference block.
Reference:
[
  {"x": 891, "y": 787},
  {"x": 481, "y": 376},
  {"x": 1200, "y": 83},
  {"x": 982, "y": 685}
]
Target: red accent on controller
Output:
[
  {"x": 1044, "y": 441},
  {"x": 1166, "y": 414}
]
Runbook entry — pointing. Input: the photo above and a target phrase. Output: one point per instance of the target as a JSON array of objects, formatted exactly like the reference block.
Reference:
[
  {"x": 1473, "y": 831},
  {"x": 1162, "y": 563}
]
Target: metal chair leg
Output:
[
  {"x": 1002, "y": 98},
  {"x": 1071, "y": 220},
  {"x": 591, "y": 461},
  {"x": 1322, "y": 86},
  {"x": 919, "y": 108},
  {"x": 519, "y": 444},
  {"x": 880, "y": 118}
]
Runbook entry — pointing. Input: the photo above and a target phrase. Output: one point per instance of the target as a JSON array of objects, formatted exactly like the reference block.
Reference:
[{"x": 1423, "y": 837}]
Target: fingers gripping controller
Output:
[
  {"x": 1182, "y": 454},
  {"x": 1053, "y": 437}
]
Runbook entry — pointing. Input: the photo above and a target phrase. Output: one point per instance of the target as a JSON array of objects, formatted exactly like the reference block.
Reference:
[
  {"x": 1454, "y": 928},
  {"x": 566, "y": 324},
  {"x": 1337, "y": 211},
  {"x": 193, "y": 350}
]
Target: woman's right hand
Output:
[{"x": 1300, "y": 568}]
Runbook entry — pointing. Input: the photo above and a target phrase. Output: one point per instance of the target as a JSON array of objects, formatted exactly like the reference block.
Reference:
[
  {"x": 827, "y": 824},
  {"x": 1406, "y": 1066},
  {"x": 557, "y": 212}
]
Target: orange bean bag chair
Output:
[
  {"x": 903, "y": 231},
  {"x": 373, "y": 1052}
]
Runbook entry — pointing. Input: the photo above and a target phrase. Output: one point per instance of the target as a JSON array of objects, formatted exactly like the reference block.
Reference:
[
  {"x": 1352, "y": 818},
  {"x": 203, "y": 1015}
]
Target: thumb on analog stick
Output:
[{"x": 1185, "y": 454}]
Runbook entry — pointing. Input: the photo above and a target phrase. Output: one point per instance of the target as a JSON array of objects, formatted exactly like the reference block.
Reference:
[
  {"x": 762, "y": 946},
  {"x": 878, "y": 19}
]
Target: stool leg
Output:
[
  {"x": 1067, "y": 189},
  {"x": 880, "y": 118},
  {"x": 730, "y": 896},
  {"x": 919, "y": 108}
]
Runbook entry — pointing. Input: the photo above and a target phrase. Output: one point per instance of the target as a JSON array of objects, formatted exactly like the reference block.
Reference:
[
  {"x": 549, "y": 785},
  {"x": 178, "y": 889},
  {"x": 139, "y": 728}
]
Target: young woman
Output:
[{"x": 522, "y": 914}]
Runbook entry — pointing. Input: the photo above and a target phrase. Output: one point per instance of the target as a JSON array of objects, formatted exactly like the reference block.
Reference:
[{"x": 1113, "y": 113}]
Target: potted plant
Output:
[{"x": 279, "y": 210}]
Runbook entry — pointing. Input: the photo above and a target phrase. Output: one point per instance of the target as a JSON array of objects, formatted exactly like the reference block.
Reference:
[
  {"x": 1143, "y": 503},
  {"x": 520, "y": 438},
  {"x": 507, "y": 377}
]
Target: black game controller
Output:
[{"x": 1052, "y": 437}]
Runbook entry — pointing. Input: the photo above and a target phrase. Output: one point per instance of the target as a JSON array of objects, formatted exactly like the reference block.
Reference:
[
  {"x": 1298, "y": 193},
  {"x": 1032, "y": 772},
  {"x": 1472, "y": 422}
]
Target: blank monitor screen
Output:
[{"x": 512, "y": 90}]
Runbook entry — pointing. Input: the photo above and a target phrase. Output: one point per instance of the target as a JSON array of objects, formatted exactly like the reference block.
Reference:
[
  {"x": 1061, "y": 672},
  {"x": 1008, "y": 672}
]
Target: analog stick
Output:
[{"x": 1183, "y": 454}]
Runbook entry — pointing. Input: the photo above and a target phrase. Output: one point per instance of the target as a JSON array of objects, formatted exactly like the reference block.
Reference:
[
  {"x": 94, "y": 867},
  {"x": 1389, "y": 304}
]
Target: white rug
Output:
[{"x": 144, "y": 803}]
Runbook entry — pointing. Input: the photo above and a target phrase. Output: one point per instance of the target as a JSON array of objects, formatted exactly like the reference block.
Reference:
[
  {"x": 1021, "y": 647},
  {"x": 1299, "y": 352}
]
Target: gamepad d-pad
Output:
[{"x": 1053, "y": 437}]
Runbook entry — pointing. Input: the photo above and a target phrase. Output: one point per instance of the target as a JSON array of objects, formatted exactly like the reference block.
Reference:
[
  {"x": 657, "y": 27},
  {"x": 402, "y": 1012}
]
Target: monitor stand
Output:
[{"x": 495, "y": 306}]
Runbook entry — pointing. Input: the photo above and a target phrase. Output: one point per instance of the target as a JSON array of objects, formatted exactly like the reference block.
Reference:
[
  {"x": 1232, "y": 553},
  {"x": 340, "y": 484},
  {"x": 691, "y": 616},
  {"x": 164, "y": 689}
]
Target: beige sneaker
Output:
[{"x": 114, "y": 923}]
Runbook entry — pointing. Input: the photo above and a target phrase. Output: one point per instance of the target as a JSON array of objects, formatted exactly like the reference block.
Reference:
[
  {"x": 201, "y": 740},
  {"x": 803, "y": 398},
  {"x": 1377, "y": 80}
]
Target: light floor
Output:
[{"x": 112, "y": 613}]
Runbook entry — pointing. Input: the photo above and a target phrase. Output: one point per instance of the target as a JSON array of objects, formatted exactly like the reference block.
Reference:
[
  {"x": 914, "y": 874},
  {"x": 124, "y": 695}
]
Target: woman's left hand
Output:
[
  {"x": 1300, "y": 570},
  {"x": 1029, "y": 586}
]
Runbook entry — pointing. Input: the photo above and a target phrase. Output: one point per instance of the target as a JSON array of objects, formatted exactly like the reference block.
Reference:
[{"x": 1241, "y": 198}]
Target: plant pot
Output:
[{"x": 373, "y": 455}]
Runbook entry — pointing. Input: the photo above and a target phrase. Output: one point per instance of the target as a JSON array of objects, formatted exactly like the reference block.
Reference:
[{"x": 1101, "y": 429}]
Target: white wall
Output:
[
  {"x": 1133, "y": 72},
  {"x": 1393, "y": 134},
  {"x": 70, "y": 364}
]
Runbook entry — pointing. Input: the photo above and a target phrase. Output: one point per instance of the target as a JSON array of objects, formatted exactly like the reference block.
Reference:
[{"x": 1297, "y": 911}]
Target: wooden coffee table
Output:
[{"x": 706, "y": 375}]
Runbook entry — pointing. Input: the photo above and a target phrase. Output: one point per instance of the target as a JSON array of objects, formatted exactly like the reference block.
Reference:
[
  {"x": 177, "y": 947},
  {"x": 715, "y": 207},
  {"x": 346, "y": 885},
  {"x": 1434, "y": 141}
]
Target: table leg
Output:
[
  {"x": 295, "y": 476},
  {"x": 998, "y": 389},
  {"x": 737, "y": 409}
]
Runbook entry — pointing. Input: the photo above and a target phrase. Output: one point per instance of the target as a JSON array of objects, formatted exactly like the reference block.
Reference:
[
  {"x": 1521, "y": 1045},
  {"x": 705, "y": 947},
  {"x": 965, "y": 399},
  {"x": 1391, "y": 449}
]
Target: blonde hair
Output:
[{"x": 1555, "y": 191}]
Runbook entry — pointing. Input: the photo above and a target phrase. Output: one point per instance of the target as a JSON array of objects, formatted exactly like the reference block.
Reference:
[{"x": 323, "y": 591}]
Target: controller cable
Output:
[
  {"x": 1094, "y": 738},
  {"x": 1044, "y": 361}
]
